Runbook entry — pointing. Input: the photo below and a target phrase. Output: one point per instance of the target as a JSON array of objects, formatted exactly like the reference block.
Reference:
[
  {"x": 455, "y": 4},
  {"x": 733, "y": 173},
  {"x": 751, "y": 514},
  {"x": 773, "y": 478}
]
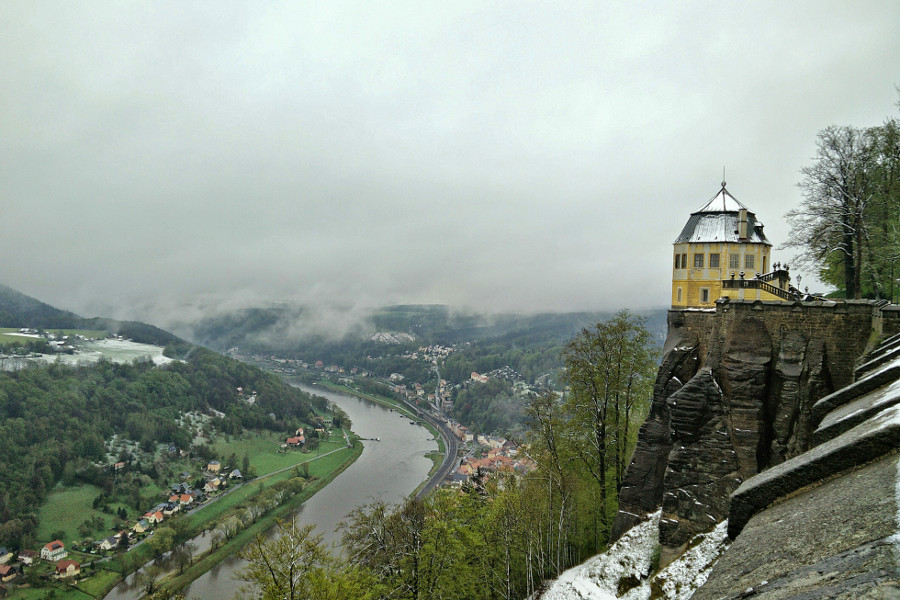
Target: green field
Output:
[
  {"x": 265, "y": 452},
  {"x": 325, "y": 469},
  {"x": 63, "y": 592},
  {"x": 66, "y": 508}
]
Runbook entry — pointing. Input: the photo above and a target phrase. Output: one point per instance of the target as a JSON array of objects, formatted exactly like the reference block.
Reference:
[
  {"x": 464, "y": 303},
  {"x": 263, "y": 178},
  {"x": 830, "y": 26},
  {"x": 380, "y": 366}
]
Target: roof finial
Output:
[{"x": 723, "y": 177}]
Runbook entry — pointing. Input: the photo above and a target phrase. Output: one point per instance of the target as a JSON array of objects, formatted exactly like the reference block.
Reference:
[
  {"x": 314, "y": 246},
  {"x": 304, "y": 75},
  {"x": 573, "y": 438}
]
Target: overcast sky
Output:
[{"x": 496, "y": 155}]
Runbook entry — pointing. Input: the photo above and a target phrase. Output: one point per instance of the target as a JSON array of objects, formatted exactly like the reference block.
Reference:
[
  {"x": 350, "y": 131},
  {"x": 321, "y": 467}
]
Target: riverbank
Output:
[
  {"x": 438, "y": 458},
  {"x": 443, "y": 462},
  {"x": 322, "y": 470},
  {"x": 214, "y": 556}
]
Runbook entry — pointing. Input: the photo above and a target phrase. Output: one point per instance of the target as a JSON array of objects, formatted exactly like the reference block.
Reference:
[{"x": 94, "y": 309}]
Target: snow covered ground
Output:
[
  {"x": 626, "y": 567},
  {"x": 117, "y": 351}
]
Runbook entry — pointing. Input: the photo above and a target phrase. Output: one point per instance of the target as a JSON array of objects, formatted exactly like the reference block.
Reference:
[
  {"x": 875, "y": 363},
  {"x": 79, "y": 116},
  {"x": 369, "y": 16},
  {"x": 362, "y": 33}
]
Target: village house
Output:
[
  {"x": 54, "y": 551},
  {"x": 154, "y": 516},
  {"x": 5, "y": 556},
  {"x": 28, "y": 557},
  {"x": 236, "y": 474},
  {"x": 67, "y": 568},
  {"x": 109, "y": 543},
  {"x": 183, "y": 500},
  {"x": 141, "y": 526},
  {"x": 7, "y": 573},
  {"x": 214, "y": 466},
  {"x": 478, "y": 378}
]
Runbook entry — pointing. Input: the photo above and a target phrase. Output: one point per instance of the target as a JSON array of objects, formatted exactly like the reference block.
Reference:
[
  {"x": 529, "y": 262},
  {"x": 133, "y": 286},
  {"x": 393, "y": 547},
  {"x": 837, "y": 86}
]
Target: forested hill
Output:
[
  {"x": 19, "y": 310},
  {"x": 283, "y": 329},
  {"x": 58, "y": 423}
]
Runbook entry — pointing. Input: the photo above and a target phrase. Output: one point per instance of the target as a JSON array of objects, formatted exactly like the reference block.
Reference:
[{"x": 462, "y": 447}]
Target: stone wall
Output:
[{"x": 733, "y": 396}]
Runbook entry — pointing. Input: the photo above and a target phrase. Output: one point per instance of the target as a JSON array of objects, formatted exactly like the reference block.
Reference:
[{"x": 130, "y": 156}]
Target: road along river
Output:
[{"x": 389, "y": 469}]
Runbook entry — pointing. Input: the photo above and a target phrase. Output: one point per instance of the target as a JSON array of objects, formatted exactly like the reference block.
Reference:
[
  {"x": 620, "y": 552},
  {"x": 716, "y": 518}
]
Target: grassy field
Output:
[
  {"x": 264, "y": 450},
  {"x": 324, "y": 469},
  {"x": 63, "y": 591},
  {"x": 66, "y": 508},
  {"x": 99, "y": 584}
]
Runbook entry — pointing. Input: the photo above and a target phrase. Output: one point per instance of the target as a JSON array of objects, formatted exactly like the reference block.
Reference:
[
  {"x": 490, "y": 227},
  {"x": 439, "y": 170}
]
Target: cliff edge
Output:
[{"x": 734, "y": 396}]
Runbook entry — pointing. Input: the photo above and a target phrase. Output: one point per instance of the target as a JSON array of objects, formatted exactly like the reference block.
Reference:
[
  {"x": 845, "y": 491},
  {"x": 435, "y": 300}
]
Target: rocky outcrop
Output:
[
  {"x": 734, "y": 395},
  {"x": 642, "y": 487},
  {"x": 702, "y": 465},
  {"x": 823, "y": 524}
]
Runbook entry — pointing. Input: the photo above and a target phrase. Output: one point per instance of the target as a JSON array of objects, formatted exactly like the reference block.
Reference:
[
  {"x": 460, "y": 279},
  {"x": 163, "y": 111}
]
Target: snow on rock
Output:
[
  {"x": 626, "y": 567},
  {"x": 599, "y": 577},
  {"x": 680, "y": 579}
]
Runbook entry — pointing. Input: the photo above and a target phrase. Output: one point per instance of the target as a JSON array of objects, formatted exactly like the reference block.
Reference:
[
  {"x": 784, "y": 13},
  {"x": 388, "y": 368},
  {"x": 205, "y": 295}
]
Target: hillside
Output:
[
  {"x": 20, "y": 310},
  {"x": 64, "y": 426},
  {"x": 417, "y": 347},
  {"x": 287, "y": 328}
]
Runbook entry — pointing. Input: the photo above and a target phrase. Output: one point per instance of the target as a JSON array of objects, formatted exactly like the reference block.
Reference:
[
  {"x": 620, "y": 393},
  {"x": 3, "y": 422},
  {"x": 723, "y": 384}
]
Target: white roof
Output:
[
  {"x": 718, "y": 221},
  {"x": 723, "y": 202}
]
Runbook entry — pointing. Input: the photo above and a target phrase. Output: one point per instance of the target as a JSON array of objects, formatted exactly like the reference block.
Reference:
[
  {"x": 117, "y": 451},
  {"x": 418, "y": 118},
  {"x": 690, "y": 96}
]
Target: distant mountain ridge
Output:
[
  {"x": 20, "y": 310},
  {"x": 282, "y": 327}
]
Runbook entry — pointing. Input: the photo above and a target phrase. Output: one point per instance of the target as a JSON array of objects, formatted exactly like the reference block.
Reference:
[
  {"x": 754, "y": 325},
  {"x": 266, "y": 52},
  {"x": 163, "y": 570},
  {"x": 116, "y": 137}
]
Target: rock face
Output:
[
  {"x": 734, "y": 396},
  {"x": 823, "y": 524}
]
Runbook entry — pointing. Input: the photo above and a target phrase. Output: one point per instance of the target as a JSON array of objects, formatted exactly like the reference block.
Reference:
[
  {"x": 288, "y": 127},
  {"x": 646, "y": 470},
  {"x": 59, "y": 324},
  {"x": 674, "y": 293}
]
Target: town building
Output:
[
  {"x": 723, "y": 252},
  {"x": 67, "y": 568},
  {"x": 7, "y": 573},
  {"x": 54, "y": 551}
]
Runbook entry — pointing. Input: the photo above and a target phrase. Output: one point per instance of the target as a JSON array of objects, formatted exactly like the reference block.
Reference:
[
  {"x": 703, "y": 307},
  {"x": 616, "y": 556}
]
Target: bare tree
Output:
[{"x": 833, "y": 223}]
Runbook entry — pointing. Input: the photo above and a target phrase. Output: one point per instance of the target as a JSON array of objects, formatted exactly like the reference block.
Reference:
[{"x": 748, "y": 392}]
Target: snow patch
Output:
[
  {"x": 684, "y": 576},
  {"x": 598, "y": 578},
  {"x": 631, "y": 558}
]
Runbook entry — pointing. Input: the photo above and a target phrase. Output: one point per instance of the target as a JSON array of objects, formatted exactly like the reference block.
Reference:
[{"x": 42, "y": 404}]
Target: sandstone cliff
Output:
[{"x": 734, "y": 396}]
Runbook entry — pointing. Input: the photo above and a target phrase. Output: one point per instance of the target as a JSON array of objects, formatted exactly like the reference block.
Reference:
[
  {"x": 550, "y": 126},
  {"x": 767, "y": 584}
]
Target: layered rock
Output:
[
  {"x": 734, "y": 396},
  {"x": 823, "y": 524}
]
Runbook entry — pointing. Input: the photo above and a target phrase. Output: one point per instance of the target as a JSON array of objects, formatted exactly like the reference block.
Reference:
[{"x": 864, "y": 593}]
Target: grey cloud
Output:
[{"x": 499, "y": 156}]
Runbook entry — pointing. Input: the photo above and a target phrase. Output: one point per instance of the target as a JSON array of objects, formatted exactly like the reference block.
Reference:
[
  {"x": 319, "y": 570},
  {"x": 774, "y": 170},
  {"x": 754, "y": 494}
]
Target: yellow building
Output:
[{"x": 723, "y": 252}]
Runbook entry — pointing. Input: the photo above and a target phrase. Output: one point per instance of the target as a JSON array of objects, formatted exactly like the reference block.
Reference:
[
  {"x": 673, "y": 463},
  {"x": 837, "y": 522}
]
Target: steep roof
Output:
[
  {"x": 719, "y": 220},
  {"x": 722, "y": 202}
]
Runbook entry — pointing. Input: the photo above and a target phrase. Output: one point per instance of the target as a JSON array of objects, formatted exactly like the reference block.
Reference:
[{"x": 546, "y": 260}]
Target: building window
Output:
[
  {"x": 679, "y": 295},
  {"x": 698, "y": 261},
  {"x": 684, "y": 261},
  {"x": 714, "y": 261},
  {"x": 749, "y": 261},
  {"x": 677, "y": 261},
  {"x": 734, "y": 261},
  {"x": 704, "y": 295}
]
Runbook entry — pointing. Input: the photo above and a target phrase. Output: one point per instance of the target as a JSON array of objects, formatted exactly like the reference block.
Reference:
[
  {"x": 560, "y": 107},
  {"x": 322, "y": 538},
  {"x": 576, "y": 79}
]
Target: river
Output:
[{"x": 390, "y": 469}]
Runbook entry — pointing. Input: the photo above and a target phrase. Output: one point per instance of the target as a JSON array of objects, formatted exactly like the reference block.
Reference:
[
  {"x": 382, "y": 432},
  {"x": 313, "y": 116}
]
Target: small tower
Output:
[{"x": 721, "y": 248}]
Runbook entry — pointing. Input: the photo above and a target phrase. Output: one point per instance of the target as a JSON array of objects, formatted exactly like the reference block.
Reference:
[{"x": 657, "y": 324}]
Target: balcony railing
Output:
[{"x": 759, "y": 284}]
